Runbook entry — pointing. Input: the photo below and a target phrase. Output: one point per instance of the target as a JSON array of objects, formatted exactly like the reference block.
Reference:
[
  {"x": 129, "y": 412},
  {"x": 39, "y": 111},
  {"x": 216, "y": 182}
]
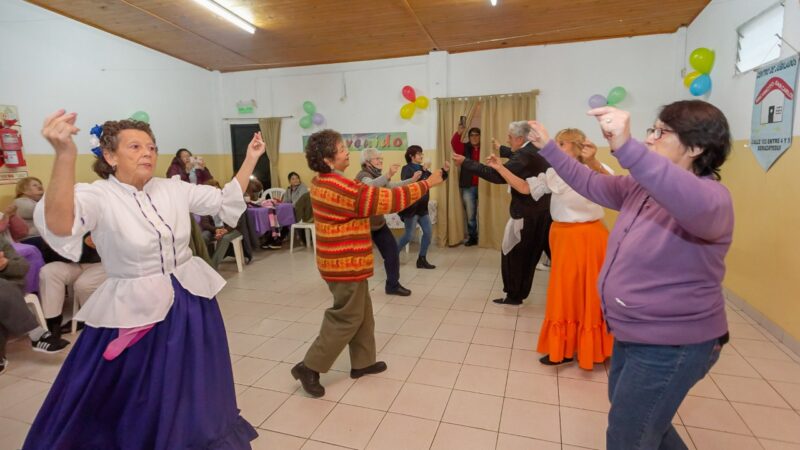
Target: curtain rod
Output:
[{"x": 480, "y": 97}]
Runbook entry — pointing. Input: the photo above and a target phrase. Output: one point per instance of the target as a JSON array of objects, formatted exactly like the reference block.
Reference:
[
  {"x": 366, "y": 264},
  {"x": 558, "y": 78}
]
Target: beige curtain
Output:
[
  {"x": 271, "y": 132},
  {"x": 450, "y": 227},
  {"x": 496, "y": 112}
]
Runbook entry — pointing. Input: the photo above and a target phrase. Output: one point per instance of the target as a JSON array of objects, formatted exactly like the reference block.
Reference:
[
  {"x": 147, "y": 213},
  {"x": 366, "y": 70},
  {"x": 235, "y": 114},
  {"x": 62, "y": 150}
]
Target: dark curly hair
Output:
[
  {"x": 701, "y": 125},
  {"x": 109, "y": 142},
  {"x": 411, "y": 151},
  {"x": 321, "y": 145}
]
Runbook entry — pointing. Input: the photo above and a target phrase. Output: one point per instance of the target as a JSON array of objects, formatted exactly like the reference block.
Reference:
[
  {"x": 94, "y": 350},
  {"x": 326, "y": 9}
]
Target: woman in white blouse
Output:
[
  {"x": 152, "y": 368},
  {"x": 573, "y": 323}
]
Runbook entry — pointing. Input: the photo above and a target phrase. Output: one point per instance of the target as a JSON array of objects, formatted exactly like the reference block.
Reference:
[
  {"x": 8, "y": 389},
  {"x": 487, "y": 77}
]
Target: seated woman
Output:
[
  {"x": 661, "y": 284},
  {"x": 12, "y": 223},
  {"x": 191, "y": 169},
  {"x": 573, "y": 322},
  {"x": 295, "y": 190},
  {"x": 152, "y": 368},
  {"x": 83, "y": 276},
  {"x": 29, "y": 191},
  {"x": 216, "y": 234},
  {"x": 15, "y": 317},
  {"x": 371, "y": 167},
  {"x": 418, "y": 212}
]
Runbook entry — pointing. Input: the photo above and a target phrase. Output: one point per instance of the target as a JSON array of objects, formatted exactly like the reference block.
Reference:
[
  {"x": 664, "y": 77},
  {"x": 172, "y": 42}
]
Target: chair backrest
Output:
[{"x": 273, "y": 193}]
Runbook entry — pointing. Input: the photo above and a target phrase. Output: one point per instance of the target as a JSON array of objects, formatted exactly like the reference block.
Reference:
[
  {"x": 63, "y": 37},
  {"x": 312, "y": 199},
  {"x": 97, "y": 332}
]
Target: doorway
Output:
[{"x": 241, "y": 135}]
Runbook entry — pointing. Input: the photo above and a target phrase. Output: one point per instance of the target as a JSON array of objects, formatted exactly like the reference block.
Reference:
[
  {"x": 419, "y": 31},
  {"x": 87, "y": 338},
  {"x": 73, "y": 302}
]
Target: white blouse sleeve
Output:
[
  {"x": 538, "y": 185},
  {"x": 228, "y": 203},
  {"x": 88, "y": 209},
  {"x": 555, "y": 184}
]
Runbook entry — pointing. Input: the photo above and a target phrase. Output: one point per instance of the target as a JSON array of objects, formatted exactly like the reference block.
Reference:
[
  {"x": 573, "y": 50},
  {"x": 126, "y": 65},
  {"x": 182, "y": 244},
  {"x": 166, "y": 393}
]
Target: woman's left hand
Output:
[
  {"x": 257, "y": 147},
  {"x": 615, "y": 124},
  {"x": 538, "y": 135}
]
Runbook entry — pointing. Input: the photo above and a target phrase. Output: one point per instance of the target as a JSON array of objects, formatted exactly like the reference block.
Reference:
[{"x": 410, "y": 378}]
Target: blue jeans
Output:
[
  {"x": 646, "y": 384},
  {"x": 469, "y": 196},
  {"x": 411, "y": 225}
]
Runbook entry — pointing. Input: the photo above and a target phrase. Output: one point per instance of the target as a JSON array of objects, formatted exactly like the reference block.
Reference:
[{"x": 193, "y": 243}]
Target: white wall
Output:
[
  {"x": 715, "y": 28},
  {"x": 51, "y": 62}
]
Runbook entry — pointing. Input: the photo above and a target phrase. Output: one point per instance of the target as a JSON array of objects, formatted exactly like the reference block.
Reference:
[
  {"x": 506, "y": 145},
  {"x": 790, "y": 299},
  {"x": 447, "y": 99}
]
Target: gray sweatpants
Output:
[{"x": 15, "y": 317}]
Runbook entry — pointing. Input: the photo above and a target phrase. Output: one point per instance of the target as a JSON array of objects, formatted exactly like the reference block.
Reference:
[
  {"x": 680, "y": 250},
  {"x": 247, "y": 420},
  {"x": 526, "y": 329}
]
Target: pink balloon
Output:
[{"x": 409, "y": 94}]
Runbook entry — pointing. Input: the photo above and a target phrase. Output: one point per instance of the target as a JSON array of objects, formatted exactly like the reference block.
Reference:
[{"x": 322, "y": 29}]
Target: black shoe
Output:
[
  {"x": 3, "y": 364},
  {"x": 423, "y": 263},
  {"x": 378, "y": 367},
  {"x": 470, "y": 242},
  {"x": 507, "y": 301},
  {"x": 49, "y": 343},
  {"x": 399, "y": 290},
  {"x": 546, "y": 361},
  {"x": 67, "y": 327},
  {"x": 309, "y": 379}
]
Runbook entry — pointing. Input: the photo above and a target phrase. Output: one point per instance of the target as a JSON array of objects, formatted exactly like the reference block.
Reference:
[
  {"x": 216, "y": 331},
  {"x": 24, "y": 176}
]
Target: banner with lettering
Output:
[
  {"x": 387, "y": 141},
  {"x": 773, "y": 111}
]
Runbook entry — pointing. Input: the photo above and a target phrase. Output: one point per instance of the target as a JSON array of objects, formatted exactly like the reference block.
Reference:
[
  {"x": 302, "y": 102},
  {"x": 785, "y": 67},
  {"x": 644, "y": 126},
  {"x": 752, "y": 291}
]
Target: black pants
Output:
[
  {"x": 384, "y": 240},
  {"x": 519, "y": 265},
  {"x": 15, "y": 318}
]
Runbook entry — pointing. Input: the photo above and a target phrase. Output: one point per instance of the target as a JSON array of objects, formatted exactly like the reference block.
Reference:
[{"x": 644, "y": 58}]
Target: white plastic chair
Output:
[
  {"x": 273, "y": 193},
  {"x": 33, "y": 300},
  {"x": 238, "y": 252},
  {"x": 310, "y": 231},
  {"x": 76, "y": 306}
]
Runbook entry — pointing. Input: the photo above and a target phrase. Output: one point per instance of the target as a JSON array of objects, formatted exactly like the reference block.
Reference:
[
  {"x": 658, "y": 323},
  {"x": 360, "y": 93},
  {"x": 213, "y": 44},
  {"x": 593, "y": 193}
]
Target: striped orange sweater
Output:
[{"x": 342, "y": 208}]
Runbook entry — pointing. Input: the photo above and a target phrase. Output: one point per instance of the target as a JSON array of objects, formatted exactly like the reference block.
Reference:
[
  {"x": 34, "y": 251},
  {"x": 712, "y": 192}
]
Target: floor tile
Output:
[
  {"x": 789, "y": 391},
  {"x": 582, "y": 394},
  {"x": 533, "y": 387},
  {"x": 449, "y": 351},
  {"x": 257, "y": 404},
  {"x": 712, "y": 414},
  {"x": 749, "y": 390},
  {"x": 511, "y": 442},
  {"x": 247, "y": 370},
  {"x": 718, "y": 440},
  {"x": 488, "y": 356},
  {"x": 583, "y": 428},
  {"x": 474, "y": 410},
  {"x": 453, "y": 332},
  {"x": 485, "y": 380},
  {"x": 534, "y": 420},
  {"x": 427, "y": 402},
  {"x": 373, "y": 392},
  {"x": 400, "y": 432},
  {"x": 435, "y": 373},
  {"x": 770, "y": 423},
  {"x": 299, "y": 416},
  {"x": 269, "y": 440},
  {"x": 451, "y": 436},
  {"x": 348, "y": 426},
  {"x": 493, "y": 336},
  {"x": 405, "y": 345}
]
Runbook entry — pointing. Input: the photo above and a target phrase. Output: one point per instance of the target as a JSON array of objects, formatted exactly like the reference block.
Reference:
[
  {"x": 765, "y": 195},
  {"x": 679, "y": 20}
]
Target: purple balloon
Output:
[
  {"x": 318, "y": 119},
  {"x": 597, "y": 101}
]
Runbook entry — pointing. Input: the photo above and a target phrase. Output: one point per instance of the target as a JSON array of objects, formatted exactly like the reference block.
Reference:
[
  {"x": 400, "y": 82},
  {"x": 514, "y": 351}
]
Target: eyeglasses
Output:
[{"x": 657, "y": 132}]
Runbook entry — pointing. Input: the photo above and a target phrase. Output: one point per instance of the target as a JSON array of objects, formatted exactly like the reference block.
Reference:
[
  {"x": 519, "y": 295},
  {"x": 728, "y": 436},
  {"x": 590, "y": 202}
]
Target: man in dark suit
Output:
[{"x": 527, "y": 231}]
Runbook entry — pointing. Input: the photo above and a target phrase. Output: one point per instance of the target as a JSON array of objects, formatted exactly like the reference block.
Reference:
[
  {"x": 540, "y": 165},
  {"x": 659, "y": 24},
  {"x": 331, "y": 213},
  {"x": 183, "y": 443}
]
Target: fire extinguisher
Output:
[{"x": 11, "y": 145}]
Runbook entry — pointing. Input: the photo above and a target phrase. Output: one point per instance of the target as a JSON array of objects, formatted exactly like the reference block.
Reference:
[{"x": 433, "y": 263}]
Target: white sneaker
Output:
[{"x": 542, "y": 267}]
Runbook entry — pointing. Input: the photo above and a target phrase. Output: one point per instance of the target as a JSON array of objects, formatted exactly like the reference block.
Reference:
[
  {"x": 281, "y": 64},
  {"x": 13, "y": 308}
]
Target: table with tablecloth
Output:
[{"x": 259, "y": 217}]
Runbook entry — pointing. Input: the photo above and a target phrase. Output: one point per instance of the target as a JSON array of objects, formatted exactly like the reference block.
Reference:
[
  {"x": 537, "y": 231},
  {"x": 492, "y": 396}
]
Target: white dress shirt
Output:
[
  {"x": 566, "y": 205},
  {"x": 142, "y": 238}
]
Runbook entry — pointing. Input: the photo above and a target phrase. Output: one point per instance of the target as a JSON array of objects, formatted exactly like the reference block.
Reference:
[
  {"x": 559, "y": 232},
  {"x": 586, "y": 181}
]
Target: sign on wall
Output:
[
  {"x": 773, "y": 111},
  {"x": 12, "y": 162},
  {"x": 388, "y": 141}
]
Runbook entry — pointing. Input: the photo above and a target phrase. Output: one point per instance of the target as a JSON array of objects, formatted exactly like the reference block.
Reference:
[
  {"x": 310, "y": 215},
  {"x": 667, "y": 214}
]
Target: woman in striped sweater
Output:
[{"x": 342, "y": 208}]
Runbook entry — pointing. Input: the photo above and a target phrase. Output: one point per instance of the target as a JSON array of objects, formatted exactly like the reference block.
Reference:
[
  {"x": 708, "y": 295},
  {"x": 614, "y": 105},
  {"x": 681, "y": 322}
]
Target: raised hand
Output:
[
  {"x": 257, "y": 147},
  {"x": 493, "y": 161},
  {"x": 588, "y": 151},
  {"x": 614, "y": 123},
  {"x": 538, "y": 135},
  {"x": 495, "y": 145},
  {"x": 393, "y": 169},
  {"x": 58, "y": 129},
  {"x": 416, "y": 175},
  {"x": 458, "y": 159}
]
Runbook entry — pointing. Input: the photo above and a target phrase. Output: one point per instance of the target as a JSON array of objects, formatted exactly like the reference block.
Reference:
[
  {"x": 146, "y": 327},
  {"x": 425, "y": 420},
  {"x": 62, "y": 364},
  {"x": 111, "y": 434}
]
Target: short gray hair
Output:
[
  {"x": 519, "y": 129},
  {"x": 367, "y": 154}
]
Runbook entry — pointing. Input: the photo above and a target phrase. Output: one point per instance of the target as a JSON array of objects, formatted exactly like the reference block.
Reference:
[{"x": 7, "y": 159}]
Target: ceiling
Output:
[{"x": 303, "y": 32}]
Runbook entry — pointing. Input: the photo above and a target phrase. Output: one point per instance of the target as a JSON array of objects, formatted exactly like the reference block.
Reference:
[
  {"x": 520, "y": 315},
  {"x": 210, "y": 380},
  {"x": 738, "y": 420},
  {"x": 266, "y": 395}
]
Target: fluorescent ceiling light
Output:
[
  {"x": 226, "y": 14},
  {"x": 494, "y": 2}
]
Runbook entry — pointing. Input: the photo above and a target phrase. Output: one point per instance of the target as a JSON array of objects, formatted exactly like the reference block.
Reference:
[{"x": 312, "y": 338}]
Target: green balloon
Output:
[
  {"x": 305, "y": 122},
  {"x": 141, "y": 116},
  {"x": 702, "y": 60},
  {"x": 309, "y": 107},
  {"x": 616, "y": 95}
]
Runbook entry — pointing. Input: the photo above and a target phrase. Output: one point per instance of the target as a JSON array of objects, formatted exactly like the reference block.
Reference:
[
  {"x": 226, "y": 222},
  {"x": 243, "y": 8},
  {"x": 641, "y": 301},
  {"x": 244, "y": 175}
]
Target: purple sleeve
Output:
[
  {"x": 605, "y": 190},
  {"x": 702, "y": 206}
]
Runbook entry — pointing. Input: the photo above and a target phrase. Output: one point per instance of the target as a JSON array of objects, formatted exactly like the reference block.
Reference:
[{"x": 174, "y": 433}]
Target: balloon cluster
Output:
[
  {"x": 313, "y": 116},
  {"x": 615, "y": 95},
  {"x": 407, "y": 110},
  {"x": 140, "y": 116},
  {"x": 699, "y": 82}
]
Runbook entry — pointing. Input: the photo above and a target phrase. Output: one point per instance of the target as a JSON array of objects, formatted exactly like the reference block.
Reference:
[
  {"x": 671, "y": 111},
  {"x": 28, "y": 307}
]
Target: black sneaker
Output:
[
  {"x": 3, "y": 365},
  {"x": 49, "y": 343}
]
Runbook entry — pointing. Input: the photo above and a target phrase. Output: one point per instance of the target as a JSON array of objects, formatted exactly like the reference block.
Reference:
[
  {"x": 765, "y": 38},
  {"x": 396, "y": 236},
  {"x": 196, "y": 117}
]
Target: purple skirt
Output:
[{"x": 171, "y": 390}]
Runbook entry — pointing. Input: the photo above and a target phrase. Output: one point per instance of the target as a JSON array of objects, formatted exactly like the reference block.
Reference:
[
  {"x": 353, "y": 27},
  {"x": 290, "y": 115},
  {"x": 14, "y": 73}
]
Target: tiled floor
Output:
[{"x": 463, "y": 373}]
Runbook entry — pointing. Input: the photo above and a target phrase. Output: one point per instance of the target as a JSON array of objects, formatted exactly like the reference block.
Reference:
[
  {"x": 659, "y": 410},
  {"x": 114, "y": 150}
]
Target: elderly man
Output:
[{"x": 527, "y": 230}]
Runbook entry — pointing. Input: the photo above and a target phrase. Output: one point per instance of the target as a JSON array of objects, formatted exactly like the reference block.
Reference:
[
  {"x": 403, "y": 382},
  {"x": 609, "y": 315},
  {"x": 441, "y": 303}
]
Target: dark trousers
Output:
[
  {"x": 519, "y": 265},
  {"x": 15, "y": 317},
  {"x": 384, "y": 240}
]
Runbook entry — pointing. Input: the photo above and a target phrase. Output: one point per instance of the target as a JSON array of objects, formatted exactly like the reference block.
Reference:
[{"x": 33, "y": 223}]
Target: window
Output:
[{"x": 758, "y": 43}]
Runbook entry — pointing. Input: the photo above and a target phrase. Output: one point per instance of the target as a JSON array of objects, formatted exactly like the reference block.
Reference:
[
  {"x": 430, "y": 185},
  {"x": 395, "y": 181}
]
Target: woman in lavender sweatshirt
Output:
[{"x": 661, "y": 283}]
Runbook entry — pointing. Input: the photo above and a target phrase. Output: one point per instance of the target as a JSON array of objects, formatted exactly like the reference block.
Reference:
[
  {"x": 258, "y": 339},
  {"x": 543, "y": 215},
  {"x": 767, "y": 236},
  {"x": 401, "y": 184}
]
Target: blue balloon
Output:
[{"x": 700, "y": 85}]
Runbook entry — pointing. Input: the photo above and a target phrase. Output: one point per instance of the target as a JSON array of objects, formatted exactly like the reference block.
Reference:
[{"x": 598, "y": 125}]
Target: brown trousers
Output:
[{"x": 349, "y": 322}]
